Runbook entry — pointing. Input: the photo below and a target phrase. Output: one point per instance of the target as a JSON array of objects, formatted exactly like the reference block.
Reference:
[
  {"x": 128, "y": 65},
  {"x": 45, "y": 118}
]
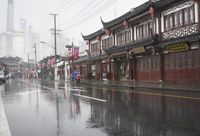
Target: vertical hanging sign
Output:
[{"x": 76, "y": 53}]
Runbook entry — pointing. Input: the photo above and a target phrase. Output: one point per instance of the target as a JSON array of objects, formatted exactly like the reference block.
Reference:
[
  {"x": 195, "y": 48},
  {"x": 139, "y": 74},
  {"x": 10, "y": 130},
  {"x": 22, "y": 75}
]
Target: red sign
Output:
[
  {"x": 125, "y": 23},
  {"x": 151, "y": 11},
  {"x": 76, "y": 53}
]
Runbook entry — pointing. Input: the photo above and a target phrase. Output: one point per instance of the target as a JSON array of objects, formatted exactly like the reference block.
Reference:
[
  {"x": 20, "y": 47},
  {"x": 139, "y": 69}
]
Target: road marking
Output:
[
  {"x": 4, "y": 127},
  {"x": 169, "y": 95},
  {"x": 92, "y": 98},
  {"x": 77, "y": 90}
]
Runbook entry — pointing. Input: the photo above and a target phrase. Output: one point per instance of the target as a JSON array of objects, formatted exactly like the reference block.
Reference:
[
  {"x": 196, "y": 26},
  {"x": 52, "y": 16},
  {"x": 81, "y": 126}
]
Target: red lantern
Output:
[
  {"x": 125, "y": 23},
  {"x": 151, "y": 11},
  {"x": 98, "y": 37}
]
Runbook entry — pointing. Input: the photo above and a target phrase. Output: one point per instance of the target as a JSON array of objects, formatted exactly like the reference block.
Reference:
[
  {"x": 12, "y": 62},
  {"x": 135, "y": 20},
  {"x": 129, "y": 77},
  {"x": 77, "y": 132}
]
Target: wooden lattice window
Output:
[
  {"x": 139, "y": 32},
  {"x": 189, "y": 15},
  {"x": 128, "y": 35},
  {"x": 146, "y": 29},
  {"x": 178, "y": 19},
  {"x": 107, "y": 42}
]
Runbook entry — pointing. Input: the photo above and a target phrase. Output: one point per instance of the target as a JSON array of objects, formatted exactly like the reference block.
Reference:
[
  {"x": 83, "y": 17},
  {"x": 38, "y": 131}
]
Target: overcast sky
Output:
[{"x": 74, "y": 16}]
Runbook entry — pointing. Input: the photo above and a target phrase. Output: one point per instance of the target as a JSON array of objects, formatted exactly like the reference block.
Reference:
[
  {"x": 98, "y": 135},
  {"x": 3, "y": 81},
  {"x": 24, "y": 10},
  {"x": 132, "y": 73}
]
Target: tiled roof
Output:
[
  {"x": 137, "y": 11},
  {"x": 158, "y": 5},
  {"x": 93, "y": 35}
]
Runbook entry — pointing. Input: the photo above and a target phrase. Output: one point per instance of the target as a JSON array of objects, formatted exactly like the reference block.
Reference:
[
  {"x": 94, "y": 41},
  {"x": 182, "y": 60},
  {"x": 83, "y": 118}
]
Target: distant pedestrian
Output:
[
  {"x": 78, "y": 78},
  {"x": 74, "y": 74}
]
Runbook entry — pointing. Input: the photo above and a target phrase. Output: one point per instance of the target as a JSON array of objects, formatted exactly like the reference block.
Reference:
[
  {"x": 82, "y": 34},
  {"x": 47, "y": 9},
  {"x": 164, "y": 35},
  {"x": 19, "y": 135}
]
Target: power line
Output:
[
  {"x": 84, "y": 13},
  {"x": 90, "y": 16},
  {"x": 79, "y": 13},
  {"x": 98, "y": 7},
  {"x": 62, "y": 5},
  {"x": 47, "y": 20},
  {"x": 67, "y": 6}
]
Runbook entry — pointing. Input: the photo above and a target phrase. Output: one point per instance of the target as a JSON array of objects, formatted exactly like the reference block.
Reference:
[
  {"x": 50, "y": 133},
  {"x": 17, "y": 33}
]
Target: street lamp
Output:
[
  {"x": 55, "y": 72},
  {"x": 42, "y": 42}
]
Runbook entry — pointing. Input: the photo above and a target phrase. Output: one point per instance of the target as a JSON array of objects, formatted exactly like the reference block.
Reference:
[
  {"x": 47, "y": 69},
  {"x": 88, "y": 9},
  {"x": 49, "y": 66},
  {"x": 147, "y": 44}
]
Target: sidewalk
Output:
[
  {"x": 4, "y": 127},
  {"x": 152, "y": 85}
]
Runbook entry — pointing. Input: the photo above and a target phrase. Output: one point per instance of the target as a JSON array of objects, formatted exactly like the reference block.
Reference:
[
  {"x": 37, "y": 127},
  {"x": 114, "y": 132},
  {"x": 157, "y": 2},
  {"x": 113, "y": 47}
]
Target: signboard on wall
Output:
[
  {"x": 138, "y": 50},
  {"x": 177, "y": 47}
]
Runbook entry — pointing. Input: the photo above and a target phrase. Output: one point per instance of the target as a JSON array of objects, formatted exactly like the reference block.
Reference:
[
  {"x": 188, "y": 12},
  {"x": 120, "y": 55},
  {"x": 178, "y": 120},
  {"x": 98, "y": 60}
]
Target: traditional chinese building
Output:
[{"x": 156, "y": 41}]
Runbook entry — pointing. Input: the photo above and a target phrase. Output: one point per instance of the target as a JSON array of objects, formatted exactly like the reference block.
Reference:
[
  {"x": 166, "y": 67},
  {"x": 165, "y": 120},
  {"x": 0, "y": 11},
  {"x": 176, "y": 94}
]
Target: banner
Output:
[
  {"x": 53, "y": 61},
  {"x": 76, "y": 53}
]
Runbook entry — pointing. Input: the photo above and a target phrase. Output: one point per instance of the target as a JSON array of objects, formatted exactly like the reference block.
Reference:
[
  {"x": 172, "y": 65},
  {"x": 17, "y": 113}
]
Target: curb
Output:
[
  {"x": 4, "y": 127},
  {"x": 143, "y": 86}
]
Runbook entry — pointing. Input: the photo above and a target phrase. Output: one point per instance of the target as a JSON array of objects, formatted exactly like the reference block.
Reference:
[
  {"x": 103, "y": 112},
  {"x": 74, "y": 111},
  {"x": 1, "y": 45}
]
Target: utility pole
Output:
[
  {"x": 28, "y": 58},
  {"x": 36, "y": 60},
  {"x": 28, "y": 65},
  {"x": 72, "y": 56},
  {"x": 54, "y": 15},
  {"x": 72, "y": 47}
]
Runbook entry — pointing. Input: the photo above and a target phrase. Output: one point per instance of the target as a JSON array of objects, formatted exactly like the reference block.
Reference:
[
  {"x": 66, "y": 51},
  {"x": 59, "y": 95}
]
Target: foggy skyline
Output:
[{"x": 74, "y": 16}]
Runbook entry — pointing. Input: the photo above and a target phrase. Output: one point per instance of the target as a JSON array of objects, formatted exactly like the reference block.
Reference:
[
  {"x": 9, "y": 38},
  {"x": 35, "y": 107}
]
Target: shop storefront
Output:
[{"x": 182, "y": 63}]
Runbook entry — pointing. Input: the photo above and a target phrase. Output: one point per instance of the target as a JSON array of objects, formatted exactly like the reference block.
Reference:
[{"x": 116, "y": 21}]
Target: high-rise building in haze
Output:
[
  {"x": 6, "y": 36},
  {"x": 10, "y": 16},
  {"x": 9, "y": 28}
]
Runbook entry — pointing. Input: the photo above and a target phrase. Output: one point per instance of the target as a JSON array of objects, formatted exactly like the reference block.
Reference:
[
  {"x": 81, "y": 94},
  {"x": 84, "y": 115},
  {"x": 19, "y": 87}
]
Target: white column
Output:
[
  {"x": 131, "y": 34},
  {"x": 66, "y": 74},
  {"x": 56, "y": 73},
  {"x": 162, "y": 23},
  {"x": 134, "y": 33},
  {"x": 196, "y": 8},
  {"x": 157, "y": 25}
]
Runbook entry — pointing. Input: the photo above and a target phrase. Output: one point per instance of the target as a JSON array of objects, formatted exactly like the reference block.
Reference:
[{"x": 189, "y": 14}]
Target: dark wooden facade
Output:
[{"x": 146, "y": 47}]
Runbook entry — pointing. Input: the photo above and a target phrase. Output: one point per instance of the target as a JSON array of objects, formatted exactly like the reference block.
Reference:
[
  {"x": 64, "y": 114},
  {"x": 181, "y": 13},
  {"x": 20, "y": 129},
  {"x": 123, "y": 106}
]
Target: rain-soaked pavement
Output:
[{"x": 41, "y": 108}]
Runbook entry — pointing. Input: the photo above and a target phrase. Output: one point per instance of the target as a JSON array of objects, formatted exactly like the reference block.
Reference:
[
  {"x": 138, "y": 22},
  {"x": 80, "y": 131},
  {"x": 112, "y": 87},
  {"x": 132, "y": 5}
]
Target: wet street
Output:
[{"x": 47, "y": 108}]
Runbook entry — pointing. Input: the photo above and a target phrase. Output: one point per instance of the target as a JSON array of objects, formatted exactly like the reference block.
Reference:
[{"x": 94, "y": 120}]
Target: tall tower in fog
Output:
[
  {"x": 10, "y": 16},
  {"x": 9, "y": 28}
]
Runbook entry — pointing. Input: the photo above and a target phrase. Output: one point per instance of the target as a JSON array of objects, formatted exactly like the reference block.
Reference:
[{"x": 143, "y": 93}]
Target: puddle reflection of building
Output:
[
  {"x": 75, "y": 108},
  {"x": 142, "y": 115}
]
